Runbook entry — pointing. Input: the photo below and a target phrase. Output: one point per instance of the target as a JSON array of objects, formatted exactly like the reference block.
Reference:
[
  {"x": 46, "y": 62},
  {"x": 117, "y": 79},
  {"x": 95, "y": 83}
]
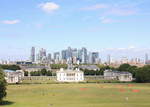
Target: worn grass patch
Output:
[{"x": 78, "y": 95}]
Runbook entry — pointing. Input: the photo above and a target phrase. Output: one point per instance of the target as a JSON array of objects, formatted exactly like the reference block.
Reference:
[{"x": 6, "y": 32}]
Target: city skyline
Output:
[
  {"x": 115, "y": 53},
  {"x": 104, "y": 26},
  {"x": 83, "y": 55}
]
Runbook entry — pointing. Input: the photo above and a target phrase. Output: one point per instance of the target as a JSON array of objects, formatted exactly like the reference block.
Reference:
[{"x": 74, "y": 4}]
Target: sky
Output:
[{"x": 105, "y": 26}]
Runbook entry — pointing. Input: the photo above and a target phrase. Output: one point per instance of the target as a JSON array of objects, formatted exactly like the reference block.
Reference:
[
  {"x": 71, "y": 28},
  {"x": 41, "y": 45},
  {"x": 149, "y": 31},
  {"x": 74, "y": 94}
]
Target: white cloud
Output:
[
  {"x": 96, "y": 7},
  {"x": 106, "y": 20},
  {"x": 49, "y": 7},
  {"x": 10, "y": 21},
  {"x": 122, "y": 11},
  {"x": 111, "y": 9}
]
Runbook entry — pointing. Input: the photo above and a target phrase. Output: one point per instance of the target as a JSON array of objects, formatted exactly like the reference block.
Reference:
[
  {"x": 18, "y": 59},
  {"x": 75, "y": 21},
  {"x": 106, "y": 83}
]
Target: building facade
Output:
[
  {"x": 116, "y": 75},
  {"x": 33, "y": 54},
  {"x": 14, "y": 76},
  {"x": 70, "y": 75}
]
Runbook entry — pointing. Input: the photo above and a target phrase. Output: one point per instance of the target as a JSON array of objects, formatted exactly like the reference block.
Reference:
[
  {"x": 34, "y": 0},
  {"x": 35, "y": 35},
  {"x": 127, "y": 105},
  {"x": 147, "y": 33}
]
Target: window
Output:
[{"x": 70, "y": 74}]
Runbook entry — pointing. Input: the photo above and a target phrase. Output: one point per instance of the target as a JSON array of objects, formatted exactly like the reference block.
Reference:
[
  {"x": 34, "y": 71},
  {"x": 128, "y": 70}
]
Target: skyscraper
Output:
[
  {"x": 42, "y": 53},
  {"x": 64, "y": 54},
  {"x": 84, "y": 56},
  {"x": 32, "y": 54},
  {"x": 146, "y": 58},
  {"x": 41, "y": 56},
  {"x": 69, "y": 53},
  {"x": 108, "y": 59},
  {"x": 95, "y": 57},
  {"x": 49, "y": 57},
  {"x": 56, "y": 56}
]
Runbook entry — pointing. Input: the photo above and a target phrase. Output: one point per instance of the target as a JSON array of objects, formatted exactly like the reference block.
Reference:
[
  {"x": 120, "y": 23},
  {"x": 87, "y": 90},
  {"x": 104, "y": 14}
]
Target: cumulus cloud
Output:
[
  {"x": 10, "y": 21},
  {"x": 49, "y": 7},
  {"x": 96, "y": 7}
]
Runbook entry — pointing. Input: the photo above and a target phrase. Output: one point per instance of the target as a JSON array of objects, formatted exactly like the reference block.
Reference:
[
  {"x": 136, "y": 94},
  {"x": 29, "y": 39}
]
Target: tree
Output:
[
  {"x": 143, "y": 74},
  {"x": 133, "y": 70},
  {"x": 26, "y": 73},
  {"x": 58, "y": 66},
  {"x": 43, "y": 72},
  {"x": 2, "y": 85},
  {"x": 124, "y": 67},
  {"x": 49, "y": 73},
  {"x": 10, "y": 67}
]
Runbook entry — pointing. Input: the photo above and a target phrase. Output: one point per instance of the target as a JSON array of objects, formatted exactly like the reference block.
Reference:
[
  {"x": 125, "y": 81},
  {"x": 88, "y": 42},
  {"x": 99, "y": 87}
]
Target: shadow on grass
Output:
[{"x": 3, "y": 103}]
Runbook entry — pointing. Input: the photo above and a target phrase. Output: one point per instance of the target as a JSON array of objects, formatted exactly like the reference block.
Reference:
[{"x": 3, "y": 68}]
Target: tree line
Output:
[
  {"x": 42, "y": 72},
  {"x": 2, "y": 85},
  {"x": 58, "y": 66},
  {"x": 10, "y": 67}
]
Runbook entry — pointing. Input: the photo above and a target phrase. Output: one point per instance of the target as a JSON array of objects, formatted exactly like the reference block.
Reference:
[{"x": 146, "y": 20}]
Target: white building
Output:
[
  {"x": 121, "y": 76},
  {"x": 125, "y": 76},
  {"x": 14, "y": 76},
  {"x": 70, "y": 75}
]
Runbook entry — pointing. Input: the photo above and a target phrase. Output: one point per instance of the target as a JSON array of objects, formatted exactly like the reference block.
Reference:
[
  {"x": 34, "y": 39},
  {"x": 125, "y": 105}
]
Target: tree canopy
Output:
[
  {"x": 10, "y": 67},
  {"x": 58, "y": 66},
  {"x": 2, "y": 85},
  {"x": 124, "y": 67},
  {"x": 143, "y": 74}
]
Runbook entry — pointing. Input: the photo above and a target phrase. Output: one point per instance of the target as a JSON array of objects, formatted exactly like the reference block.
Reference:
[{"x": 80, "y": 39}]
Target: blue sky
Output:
[{"x": 57, "y": 24}]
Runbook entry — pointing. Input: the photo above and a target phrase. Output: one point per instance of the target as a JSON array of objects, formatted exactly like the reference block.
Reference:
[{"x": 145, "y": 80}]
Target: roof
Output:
[
  {"x": 69, "y": 71},
  {"x": 125, "y": 73},
  {"x": 8, "y": 70},
  {"x": 118, "y": 72},
  {"x": 34, "y": 67}
]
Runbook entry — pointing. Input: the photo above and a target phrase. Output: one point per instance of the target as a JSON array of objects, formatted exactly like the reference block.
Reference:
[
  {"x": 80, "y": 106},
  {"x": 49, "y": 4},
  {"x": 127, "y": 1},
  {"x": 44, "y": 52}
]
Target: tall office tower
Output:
[
  {"x": 42, "y": 55},
  {"x": 69, "y": 53},
  {"x": 56, "y": 56},
  {"x": 74, "y": 56},
  {"x": 64, "y": 54},
  {"x": 84, "y": 56},
  {"x": 79, "y": 57},
  {"x": 108, "y": 59},
  {"x": 32, "y": 54},
  {"x": 49, "y": 57},
  {"x": 74, "y": 53},
  {"x": 90, "y": 58},
  {"x": 95, "y": 57},
  {"x": 146, "y": 58}
]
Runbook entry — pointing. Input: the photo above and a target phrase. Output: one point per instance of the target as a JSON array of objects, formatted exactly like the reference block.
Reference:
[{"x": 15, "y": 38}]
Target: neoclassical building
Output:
[
  {"x": 14, "y": 76},
  {"x": 70, "y": 75},
  {"x": 121, "y": 76}
]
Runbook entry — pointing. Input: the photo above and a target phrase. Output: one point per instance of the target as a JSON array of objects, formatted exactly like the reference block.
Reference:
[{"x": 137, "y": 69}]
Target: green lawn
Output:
[{"x": 78, "y": 95}]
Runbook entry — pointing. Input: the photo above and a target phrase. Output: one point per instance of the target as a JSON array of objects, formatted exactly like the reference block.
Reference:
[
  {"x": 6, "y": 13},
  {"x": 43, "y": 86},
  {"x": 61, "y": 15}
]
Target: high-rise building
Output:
[
  {"x": 69, "y": 53},
  {"x": 95, "y": 57},
  {"x": 49, "y": 57},
  {"x": 32, "y": 54},
  {"x": 84, "y": 56},
  {"x": 146, "y": 58},
  {"x": 90, "y": 58},
  {"x": 74, "y": 53},
  {"x": 41, "y": 56},
  {"x": 56, "y": 57},
  {"x": 108, "y": 59},
  {"x": 64, "y": 54},
  {"x": 79, "y": 55}
]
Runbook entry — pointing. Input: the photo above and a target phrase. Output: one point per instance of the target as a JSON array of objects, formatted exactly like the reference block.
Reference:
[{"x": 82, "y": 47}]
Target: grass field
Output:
[{"x": 78, "y": 95}]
